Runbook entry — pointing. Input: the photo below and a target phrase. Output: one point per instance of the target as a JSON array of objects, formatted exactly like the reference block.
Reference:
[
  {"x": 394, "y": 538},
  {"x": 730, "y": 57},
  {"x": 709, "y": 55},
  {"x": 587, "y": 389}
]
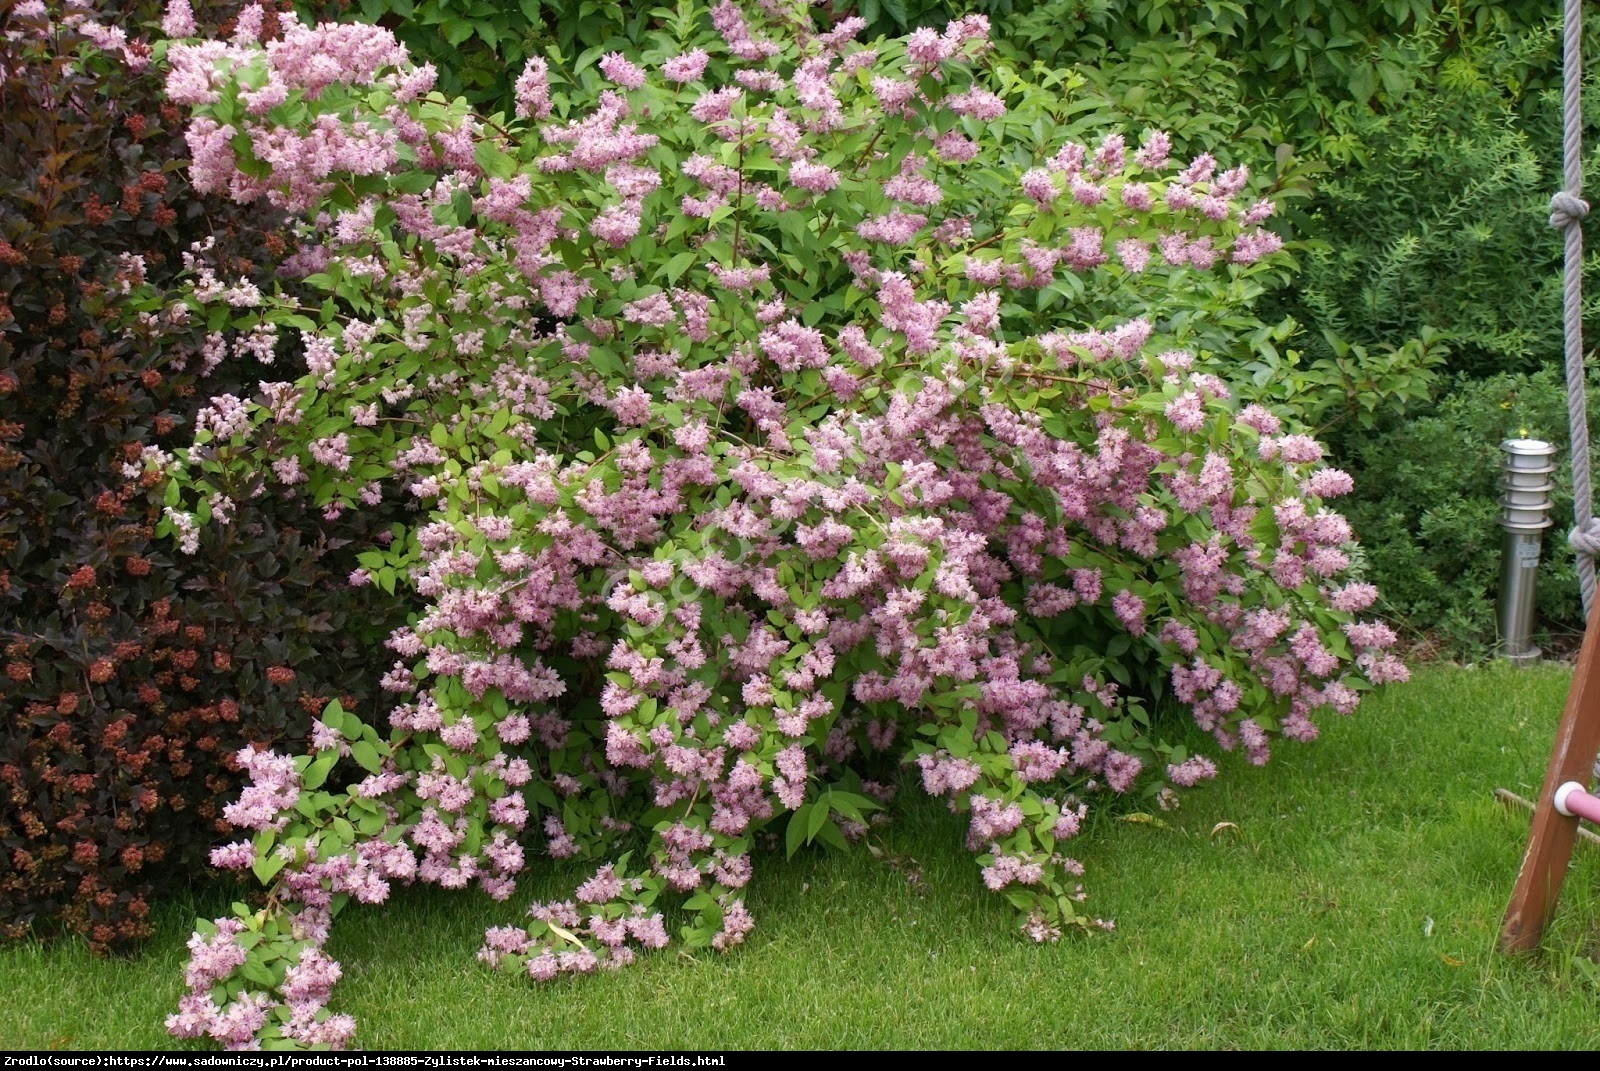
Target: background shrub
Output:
[
  {"x": 1439, "y": 219},
  {"x": 1305, "y": 60},
  {"x": 132, "y": 672}
]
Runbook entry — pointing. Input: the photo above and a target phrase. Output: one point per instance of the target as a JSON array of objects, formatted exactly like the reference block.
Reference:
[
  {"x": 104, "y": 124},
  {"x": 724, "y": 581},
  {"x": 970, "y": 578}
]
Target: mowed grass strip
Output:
[{"x": 1352, "y": 900}]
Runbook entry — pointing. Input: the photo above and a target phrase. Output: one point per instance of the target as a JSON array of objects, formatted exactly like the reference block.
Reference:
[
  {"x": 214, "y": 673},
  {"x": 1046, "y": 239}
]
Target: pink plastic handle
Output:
[{"x": 1571, "y": 799}]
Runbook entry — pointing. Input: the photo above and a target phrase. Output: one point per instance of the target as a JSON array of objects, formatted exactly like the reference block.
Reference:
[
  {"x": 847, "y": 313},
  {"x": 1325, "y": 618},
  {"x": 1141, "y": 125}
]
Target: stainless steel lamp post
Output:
[{"x": 1524, "y": 515}]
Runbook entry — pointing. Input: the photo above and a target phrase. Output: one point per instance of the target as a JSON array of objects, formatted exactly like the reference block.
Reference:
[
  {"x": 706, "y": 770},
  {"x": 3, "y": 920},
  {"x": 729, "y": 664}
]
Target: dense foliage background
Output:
[{"x": 1414, "y": 143}]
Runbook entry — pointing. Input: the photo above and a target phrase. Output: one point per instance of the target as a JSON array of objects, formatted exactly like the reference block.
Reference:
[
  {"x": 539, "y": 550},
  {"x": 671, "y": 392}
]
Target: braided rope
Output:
[{"x": 1567, "y": 209}]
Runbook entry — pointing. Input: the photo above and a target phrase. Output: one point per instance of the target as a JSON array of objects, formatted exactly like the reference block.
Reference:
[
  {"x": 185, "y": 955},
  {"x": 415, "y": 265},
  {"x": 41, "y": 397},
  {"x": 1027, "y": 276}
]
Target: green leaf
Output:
[
  {"x": 413, "y": 181},
  {"x": 334, "y": 717},
  {"x": 680, "y": 264},
  {"x": 367, "y": 755},
  {"x": 255, "y": 971},
  {"x": 317, "y": 772},
  {"x": 1363, "y": 82},
  {"x": 816, "y": 820},
  {"x": 495, "y": 163},
  {"x": 833, "y": 838},
  {"x": 850, "y": 799},
  {"x": 266, "y": 867},
  {"x": 796, "y": 833}
]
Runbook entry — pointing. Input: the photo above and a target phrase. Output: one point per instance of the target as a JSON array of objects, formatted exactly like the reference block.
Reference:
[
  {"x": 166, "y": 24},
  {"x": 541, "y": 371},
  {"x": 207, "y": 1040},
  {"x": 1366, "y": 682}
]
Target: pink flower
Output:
[
  {"x": 178, "y": 20},
  {"x": 813, "y": 177},
  {"x": 1129, "y": 609},
  {"x": 894, "y": 96},
  {"x": 1258, "y": 213},
  {"x": 925, "y": 46},
  {"x": 896, "y": 228},
  {"x": 979, "y": 104},
  {"x": 1136, "y": 195},
  {"x": 1353, "y": 598},
  {"x": 632, "y": 406},
  {"x": 687, "y": 67},
  {"x": 1191, "y": 771},
  {"x": 1040, "y": 186},
  {"x": 622, "y": 71},
  {"x": 1121, "y": 771},
  {"x": 716, "y": 105},
  {"x": 533, "y": 90},
  {"x": 617, "y": 225},
  {"x": 1186, "y": 412},
  {"x": 1253, "y": 245},
  {"x": 235, "y": 856},
  {"x": 1153, "y": 153},
  {"x": 333, "y": 451},
  {"x": 955, "y": 147},
  {"x": 1134, "y": 254},
  {"x": 1327, "y": 483},
  {"x": 1261, "y": 420},
  {"x": 1299, "y": 449}
]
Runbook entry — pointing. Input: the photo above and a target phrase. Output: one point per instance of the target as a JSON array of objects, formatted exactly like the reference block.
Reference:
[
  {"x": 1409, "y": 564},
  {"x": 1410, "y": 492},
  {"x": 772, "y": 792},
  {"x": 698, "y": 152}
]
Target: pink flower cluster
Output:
[{"x": 300, "y": 1010}]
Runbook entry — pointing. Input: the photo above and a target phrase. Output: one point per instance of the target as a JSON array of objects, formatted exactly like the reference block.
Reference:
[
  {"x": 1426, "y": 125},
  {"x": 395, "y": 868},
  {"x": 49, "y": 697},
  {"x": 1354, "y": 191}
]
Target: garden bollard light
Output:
[{"x": 1524, "y": 515}]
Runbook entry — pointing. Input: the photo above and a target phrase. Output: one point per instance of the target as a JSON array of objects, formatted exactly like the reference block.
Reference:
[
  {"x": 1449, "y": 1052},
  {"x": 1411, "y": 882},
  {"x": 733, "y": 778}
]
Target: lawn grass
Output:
[{"x": 1304, "y": 925}]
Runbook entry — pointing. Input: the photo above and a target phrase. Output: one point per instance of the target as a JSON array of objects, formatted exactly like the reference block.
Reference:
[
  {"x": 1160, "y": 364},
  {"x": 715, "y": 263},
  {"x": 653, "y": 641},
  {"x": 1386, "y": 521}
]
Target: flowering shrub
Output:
[
  {"x": 132, "y": 673},
  {"x": 782, "y": 414}
]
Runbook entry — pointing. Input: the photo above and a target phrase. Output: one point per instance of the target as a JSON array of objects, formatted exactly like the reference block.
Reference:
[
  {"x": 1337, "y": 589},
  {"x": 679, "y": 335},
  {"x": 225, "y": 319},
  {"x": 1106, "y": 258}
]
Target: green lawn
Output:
[{"x": 1355, "y": 905}]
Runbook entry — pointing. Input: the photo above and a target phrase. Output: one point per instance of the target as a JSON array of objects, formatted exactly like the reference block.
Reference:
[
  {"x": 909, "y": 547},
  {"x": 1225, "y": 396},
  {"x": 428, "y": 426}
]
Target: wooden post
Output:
[{"x": 1544, "y": 865}]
